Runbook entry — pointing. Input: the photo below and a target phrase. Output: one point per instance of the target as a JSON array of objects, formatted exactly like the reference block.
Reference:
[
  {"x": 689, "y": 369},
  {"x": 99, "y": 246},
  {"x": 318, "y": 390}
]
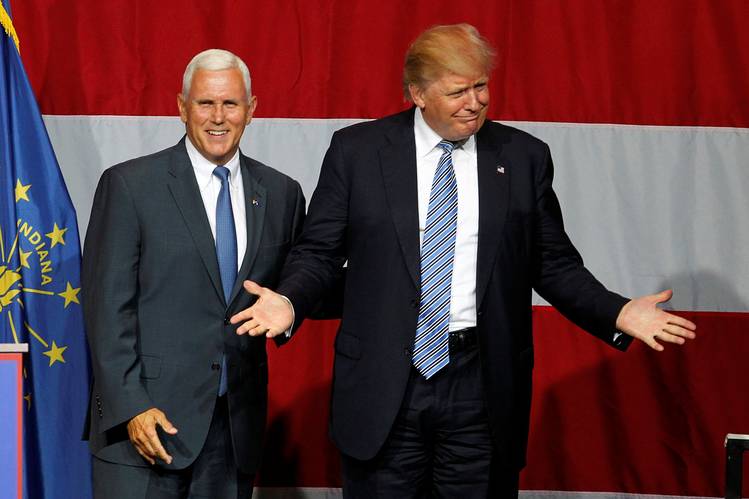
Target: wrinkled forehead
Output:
[{"x": 223, "y": 81}]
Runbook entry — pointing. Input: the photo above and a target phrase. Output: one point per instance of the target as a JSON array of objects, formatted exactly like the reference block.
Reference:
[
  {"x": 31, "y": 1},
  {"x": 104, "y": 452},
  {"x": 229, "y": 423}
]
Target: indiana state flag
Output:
[{"x": 40, "y": 288}]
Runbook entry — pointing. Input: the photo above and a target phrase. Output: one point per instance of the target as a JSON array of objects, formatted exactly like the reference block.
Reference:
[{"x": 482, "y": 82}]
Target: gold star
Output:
[
  {"x": 22, "y": 191},
  {"x": 57, "y": 235},
  {"x": 24, "y": 258},
  {"x": 70, "y": 294},
  {"x": 27, "y": 398},
  {"x": 55, "y": 354}
]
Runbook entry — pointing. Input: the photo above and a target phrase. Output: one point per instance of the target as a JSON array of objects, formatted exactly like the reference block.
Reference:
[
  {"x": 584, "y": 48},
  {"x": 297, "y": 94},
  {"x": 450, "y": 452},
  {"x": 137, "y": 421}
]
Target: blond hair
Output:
[{"x": 457, "y": 48}]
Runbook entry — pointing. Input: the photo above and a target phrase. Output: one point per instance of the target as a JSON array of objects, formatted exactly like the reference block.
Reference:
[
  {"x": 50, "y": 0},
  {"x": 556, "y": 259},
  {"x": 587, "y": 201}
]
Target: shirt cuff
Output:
[{"x": 287, "y": 333}]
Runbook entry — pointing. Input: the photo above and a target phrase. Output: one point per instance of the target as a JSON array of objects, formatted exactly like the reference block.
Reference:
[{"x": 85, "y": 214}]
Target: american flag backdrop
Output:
[{"x": 645, "y": 104}]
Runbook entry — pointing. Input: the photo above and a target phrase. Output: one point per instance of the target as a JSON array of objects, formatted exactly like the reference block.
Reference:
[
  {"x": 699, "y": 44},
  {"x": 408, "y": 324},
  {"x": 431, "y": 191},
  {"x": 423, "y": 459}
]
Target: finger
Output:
[
  {"x": 248, "y": 326},
  {"x": 652, "y": 343},
  {"x": 679, "y": 331},
  {"x": 258, "y": 330},
  {"x": 272, "y": 334},
  {"x": 150, "y": 438},
  {"x": 166, "y": 425},
  {"x": 144, "y": 455},
  {"x": 244, "y": 315},
  {"x": 147, "y": 441},
  {"x": 253, "y": 288},
  {"x": 669, "y": 337},
  {"x": 160, "y": 451},
  {"x": 682, "y": 322}
]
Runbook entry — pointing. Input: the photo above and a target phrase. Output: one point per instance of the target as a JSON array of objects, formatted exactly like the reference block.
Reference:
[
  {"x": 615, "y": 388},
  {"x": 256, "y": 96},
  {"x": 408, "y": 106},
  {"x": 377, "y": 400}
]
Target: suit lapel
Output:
[
  {"x": 186, "y": 193},
  {"x": 255, "y": 199},
  {"x": 398, "y": 164},
  {"x": 494, "y": 179}
]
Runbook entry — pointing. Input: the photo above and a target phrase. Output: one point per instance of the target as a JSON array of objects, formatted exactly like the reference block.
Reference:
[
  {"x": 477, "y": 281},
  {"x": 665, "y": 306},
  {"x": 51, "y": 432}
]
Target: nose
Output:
[
  {"x": 217, "y": 113},
  {"x": 472, "y": 102}
]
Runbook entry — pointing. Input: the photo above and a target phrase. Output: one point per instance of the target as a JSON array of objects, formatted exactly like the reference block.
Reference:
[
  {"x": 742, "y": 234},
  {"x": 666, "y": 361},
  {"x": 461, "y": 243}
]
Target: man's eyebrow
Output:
[
  {"x": 461, "y": 88},
  {"x": 457, "y": 89},
  {"x": 208, "y": 100}
]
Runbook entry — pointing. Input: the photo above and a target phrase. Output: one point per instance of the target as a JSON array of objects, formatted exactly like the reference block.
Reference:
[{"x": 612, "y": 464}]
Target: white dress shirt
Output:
[
  {"x": 465, "y": 164},
  {"x": 210, "y": 186}
]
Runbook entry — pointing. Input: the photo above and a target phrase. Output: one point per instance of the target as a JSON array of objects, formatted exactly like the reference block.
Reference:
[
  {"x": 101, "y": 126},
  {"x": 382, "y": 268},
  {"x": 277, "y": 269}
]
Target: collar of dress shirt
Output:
[
  {"x": 204, "y": 168},
  {"x": 427, "y": 139}
]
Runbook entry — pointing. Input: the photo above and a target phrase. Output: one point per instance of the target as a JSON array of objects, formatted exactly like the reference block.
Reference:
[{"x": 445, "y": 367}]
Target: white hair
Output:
[{"x": 216, "y": 60}]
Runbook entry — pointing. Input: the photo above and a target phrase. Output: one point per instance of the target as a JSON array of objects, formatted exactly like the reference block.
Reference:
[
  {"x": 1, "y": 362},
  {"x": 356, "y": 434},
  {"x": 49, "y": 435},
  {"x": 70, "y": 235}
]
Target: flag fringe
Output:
[{"x": 7, "y": 23}]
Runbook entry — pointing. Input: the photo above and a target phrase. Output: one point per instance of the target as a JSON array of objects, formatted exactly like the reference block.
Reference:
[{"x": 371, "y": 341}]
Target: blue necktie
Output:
[
  {"x": 226, "y": 250},
  {"x": 431, "y": 347}
]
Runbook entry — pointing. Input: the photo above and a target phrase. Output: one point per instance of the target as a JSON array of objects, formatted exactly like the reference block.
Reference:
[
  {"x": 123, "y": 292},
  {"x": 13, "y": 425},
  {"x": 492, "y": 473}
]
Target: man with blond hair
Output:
[
  {"x": 447, "y": 221},
  {"x": 178, "y": 403}
]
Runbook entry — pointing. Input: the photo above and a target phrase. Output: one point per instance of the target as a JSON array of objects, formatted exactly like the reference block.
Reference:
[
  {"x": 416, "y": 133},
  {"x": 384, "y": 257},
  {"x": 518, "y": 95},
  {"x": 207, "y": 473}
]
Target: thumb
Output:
[
  {"x": 166, "y": 424},
  {"x": 663, "y": 296},
  {"x": 253, "y": 288}
]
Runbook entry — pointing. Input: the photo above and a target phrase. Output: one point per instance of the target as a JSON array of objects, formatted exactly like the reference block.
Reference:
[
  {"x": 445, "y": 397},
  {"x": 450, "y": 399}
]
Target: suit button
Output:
[
  {"x": 215, "y": 366},
  {"x": 226, "y": 321},
  {"x": 479, "y": 313}
]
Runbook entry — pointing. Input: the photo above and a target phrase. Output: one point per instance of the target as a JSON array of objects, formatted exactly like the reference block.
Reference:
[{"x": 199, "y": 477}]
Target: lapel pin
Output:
[
  {"x": 500, "y": 169},
  {"x": 255, "y": 202}
]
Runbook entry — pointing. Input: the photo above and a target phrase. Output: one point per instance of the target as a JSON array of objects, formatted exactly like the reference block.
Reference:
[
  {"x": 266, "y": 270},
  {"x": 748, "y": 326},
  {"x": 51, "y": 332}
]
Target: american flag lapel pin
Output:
[{"x": 500, "y": 169}]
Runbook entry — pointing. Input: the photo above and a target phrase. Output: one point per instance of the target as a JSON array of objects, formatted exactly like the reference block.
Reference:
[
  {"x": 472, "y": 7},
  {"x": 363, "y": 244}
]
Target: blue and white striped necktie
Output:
[{"x": 431, "y": 347}]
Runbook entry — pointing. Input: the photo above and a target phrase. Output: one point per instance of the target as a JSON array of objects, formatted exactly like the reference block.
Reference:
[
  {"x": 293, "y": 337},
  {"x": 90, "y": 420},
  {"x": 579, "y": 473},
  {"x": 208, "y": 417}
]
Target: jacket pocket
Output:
[{"x": 150, "y": 366}]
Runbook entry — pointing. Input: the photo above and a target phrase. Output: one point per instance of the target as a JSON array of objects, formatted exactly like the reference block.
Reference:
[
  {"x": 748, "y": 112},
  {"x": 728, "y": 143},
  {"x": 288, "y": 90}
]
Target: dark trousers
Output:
[
  {"x": 440, "y": 444},
  {"x": 213, "y": 474}
]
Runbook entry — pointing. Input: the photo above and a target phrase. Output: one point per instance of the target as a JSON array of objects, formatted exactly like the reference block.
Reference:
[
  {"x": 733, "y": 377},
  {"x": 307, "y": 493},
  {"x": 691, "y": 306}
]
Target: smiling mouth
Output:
[{"x": 217, "y": 133}]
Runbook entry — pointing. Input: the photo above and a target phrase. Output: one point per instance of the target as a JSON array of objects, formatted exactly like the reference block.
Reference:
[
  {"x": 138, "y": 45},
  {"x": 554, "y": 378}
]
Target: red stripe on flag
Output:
[
  {"x": 674, "y": 62},
  {"x": 639, "y": 422}
]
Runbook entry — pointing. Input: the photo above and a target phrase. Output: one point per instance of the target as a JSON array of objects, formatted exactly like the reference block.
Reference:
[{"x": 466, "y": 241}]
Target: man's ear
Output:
[
  {"x": 417, "y": 95},
  {"x": 182, "y": 106},
  {"x": 252, "y": 106}
]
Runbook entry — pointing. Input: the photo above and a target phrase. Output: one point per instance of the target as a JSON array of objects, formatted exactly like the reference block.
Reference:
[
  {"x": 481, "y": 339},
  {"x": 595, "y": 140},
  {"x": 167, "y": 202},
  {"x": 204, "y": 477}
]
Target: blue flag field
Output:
[{"x": 40, "y": 288}]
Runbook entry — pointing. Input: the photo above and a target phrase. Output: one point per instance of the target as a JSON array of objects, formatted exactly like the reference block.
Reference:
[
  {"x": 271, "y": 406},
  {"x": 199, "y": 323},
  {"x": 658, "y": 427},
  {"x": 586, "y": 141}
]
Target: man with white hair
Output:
[{"x": 178, "y": 404}]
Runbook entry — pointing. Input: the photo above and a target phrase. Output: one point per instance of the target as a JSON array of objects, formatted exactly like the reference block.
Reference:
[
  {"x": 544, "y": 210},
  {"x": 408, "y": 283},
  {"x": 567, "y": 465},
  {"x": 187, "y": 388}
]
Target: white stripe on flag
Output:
[{"x": 648, "y": 207}]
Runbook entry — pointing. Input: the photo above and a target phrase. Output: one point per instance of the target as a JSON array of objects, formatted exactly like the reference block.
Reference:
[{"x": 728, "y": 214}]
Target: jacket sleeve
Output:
[
  {"x": 110, "y": 279},
  {"x": 560, "y": 276},
  {"x": 314, "y": 266}
]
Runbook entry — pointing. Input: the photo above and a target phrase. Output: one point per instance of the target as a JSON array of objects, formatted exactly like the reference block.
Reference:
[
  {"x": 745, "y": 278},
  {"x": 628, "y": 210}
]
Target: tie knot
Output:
[
  {"x": 446, "y": 146},
  {"x": 221, "y": 172}
]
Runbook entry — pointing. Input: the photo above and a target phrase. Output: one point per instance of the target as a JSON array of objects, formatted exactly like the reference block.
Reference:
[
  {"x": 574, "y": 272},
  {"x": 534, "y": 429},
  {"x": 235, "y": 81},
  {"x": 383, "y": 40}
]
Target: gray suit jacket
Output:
[{"x": 156, "y": 318}]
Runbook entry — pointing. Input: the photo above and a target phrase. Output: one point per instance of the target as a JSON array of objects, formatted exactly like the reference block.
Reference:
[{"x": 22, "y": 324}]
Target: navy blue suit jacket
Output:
[{"x": 364, "y": 211}]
